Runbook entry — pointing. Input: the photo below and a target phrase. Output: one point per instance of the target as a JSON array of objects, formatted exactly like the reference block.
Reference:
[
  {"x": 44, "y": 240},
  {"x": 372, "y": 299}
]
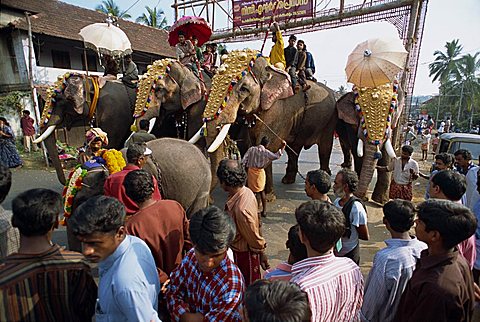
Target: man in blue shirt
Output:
[{"x": 129, "y": 286}]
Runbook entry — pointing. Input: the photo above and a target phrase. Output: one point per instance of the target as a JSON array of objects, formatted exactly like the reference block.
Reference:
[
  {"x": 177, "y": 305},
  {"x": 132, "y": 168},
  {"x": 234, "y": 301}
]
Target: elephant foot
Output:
[
  {"x": 288, "y": 179},
  {"x": 346, "y": 165},
  {"x": 271, "y": 196}
]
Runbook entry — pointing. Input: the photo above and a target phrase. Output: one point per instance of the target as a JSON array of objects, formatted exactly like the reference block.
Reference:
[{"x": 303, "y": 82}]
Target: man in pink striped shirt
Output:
[{"x": 334, "y": 284}]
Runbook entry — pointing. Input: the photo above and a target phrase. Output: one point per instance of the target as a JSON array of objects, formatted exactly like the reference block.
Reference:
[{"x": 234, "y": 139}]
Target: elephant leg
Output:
[
  {"x": 325, "y": 151},
  {"x": 292, "y": 165},
  {"x": 347, "y": 158},
  {"x": 269, "y": 191},
  {"x": 201, "y": 201}
]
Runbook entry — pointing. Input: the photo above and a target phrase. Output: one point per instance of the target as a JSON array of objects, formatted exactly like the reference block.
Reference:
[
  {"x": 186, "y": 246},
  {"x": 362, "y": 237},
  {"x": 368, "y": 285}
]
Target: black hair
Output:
[
  {"x": 464, "y": 153},
  {"x": 446, "y": 158},
  {"x": 322, "y": 223},
  {"x": 451, "y": 183},
  {"x": 181, "y": 33},
  {"x": 231, "y": 173},
  {"x": 292, "y": 37},
  {"x": 301, "y": 41},
  {"x": 144, "y": 124},
  {"x": 139, "y": 185},
  {"x": 408, "y": 149},
  {"x": 36, "y": 211},
  {"x": 276, "y": 301},
  {"x": 135, "y": 151},
  {"x": 350, "y": 178},
  {"x": 127, "y": 56},
  {"x": 194, "y": 37},
  {"x": 320, "y": 179},
  {"x": 265, "y": 141},
  {"x": 100, "y": 214},
  {"x": 4, "y": 121},
  {"x": 5, "y": 182},
  {"x": 400, "y": 214},
  {"x": 297, "y": 249},
  {"x": 454, "y": 222},
  {"x": 26, "y": 112},
  {"x": 211, "y": 230}
]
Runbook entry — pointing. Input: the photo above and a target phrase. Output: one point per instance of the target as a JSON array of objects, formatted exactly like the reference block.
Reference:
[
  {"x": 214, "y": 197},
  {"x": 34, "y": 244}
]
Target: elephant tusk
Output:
[
  {"x": 360, "y": 148},
  {"x": 152, "y": 123},
  {"x": 45, "y": 134},
  {"x": 194, "y": 139},
  {"x": 219, "y": 139},
  {"x": 389, "y": 148}
]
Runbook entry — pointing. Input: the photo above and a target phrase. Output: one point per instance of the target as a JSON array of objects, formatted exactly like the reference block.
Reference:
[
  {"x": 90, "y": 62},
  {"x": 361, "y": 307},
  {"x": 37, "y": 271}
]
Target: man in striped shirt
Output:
[
  {"x": 43, "y": 282},
  {"x": 334, "y": 284},
  {"x": 393, "y": 266}
]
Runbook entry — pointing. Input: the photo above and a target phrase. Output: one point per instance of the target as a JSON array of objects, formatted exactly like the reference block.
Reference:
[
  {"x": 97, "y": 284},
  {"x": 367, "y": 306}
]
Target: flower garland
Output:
[
  {"x": 114, "y": 160},
  {"x": 72, "y": 186},
  {"x": 393, "y": 107},
  {"x": 52, "y": 92}
]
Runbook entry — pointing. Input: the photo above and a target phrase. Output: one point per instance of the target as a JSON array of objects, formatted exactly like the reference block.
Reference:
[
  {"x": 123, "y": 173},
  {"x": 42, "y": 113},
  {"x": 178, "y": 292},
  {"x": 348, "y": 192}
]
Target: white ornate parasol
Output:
[
  {"x": 106, "y": 39},
  {"x": 376, "y": 62}
]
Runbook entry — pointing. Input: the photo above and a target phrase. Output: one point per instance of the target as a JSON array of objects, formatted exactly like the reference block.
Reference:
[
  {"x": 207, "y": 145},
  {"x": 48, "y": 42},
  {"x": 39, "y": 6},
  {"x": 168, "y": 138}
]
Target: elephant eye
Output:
[{"x": 244, "y": 89}]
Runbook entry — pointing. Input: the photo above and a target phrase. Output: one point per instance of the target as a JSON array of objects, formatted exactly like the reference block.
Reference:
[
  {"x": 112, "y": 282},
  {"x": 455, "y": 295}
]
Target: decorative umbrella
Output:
[
  {"x": 375, "y": 62},
  {"x": 107, "y": 39},
  {"x": 191, "y": 26}
]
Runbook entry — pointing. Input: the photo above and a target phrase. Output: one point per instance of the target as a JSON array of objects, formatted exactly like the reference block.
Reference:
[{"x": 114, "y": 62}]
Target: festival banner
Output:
[{"x": 253, "y": 12}]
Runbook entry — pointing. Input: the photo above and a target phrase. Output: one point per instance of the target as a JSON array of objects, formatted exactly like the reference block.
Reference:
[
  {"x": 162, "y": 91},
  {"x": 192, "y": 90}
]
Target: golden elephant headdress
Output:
[
  {"x": 234, "y": 68},
  {"x": 146, "y": 85}
]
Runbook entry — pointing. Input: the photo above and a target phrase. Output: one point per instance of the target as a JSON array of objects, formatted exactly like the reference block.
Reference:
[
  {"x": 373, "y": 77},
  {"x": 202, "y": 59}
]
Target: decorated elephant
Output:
[
  {"x": 169, "y": 91},
  {"x": 247, "y": 85},
  {"x": 110, "y": 108},
  {"x": 182, "y": 171}
]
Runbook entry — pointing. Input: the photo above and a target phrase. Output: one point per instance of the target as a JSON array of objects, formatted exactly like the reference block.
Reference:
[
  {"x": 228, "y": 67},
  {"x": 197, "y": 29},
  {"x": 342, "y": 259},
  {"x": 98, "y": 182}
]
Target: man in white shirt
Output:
[
  {"x": 405, "y": 170},
  {"x": 393, "y": 266}
]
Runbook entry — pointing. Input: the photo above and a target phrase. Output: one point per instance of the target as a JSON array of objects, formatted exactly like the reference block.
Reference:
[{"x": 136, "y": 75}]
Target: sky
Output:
[{"x": 446, "y": 20}]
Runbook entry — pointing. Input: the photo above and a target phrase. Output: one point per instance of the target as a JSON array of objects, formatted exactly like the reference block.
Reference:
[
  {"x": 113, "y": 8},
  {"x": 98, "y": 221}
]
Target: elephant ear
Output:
[
  {"x": 190, "y": 90},
  {"x": 346, "y": 109},
  {"x": 276, "y": 85}
]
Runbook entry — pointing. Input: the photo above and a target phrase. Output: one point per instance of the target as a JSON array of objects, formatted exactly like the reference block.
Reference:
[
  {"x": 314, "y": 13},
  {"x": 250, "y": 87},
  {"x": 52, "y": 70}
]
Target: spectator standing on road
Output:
[
  {"x": 317, "y": 185},
  {"x": 465, "y": 166},
  {"x": 435, "y": 142},
  {"x": 426, "y": 137},
  {"x": 28, "y": 130},
  {"x": 448, "y": 125},
  {"x": 9, "y": 156},
  {"x": 9, "y": 236},
  {"x": 393, "y": 266},
  {"x": 354, "y": 214},
  {"x": 443, "y": 161},
  {"x": 43, "y": 281},
  {"x": 129, "y": 286}
]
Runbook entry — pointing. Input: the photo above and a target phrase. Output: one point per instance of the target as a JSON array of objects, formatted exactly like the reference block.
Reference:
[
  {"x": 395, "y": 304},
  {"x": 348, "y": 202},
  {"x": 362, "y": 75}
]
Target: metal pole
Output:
[{"x": 438, "y": 107}]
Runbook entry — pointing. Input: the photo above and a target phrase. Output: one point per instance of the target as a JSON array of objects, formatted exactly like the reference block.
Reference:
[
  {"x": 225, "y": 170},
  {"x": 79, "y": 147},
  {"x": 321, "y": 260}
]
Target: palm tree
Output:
[
  {"x": 153, "y": 18},
  {"x": 469, "y": 68},
  {"x": 110, "y": 7},
  {"x": 445, "y": 65}
]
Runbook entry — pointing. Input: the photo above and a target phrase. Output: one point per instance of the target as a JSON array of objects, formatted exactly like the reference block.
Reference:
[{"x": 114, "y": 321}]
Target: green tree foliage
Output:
[
  {"x": 11, "y": 104},
  {"x": 153, "y": 18},
  {"x": 445, "y": 65},
  {"x": 110, "y": 7}
]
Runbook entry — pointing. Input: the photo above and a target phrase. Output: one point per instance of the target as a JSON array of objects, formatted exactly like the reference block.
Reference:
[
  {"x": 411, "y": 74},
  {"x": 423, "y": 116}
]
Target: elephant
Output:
[
  {"x": 181, "y": 169},
  {"x": 171, "y": 89},
  {"x": 247, "y": 85},
  {"x": 66, "y": 106}
]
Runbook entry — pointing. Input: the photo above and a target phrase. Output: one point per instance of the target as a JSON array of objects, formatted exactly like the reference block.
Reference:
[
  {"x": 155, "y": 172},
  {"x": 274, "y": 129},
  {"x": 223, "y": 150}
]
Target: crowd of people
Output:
[{"x": 155, "y": 264}]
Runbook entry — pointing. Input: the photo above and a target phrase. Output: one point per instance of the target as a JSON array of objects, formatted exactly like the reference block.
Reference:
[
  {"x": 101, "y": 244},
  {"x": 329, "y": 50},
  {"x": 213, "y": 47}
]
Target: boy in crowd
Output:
[
  {"x": 43, "y": 282},
  {"x": 207, "y": 285},
  {"x": 275, "y": 301},
  {"x": 317, "y": 185},
  {"x": 393, "y": 266},
  {"x": 334, "y": 284},
  {"x": 441, "y": 288},
  {"x": 128, "y": 287},
  {"x": 443, "y": 161},
  {"x": 354, "y": 212}
]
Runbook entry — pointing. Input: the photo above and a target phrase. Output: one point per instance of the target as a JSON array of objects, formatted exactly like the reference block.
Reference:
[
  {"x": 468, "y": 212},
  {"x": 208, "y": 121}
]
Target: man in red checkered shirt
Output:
[{"x": 207, "y": 285}]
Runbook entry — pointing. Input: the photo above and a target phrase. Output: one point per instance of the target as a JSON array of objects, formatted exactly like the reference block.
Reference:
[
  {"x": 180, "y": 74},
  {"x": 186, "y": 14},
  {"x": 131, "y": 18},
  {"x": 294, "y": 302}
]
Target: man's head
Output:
[
  {"x": 407, "y": 151},
  {"x": 231, "y": 174},
  {"x": 211, "y": 231},
  {"x": 128, "y": 59},
  {"x": 300, "y": 45},
  {"x": 26, "y": 113},
  {"x": 194, "y": 40},
  {"x": 447, "y": 184},
  {"x": 98, "y": 224},
  {"x": 321, "y": 225},
  {"x": 346, "y": 182},
  {"x": 462, "y": 158},
  {"x": 181, "y": 37},
  {"x": 265, "y": 141},
  {"x": 444, "y": 223},
  {"x": 443, "y": 161},
  {"x": 297, "y": 249},
  {"x": 96, "y": 138},
  {"x": 317, "y": 181},
  {"x": 291, "y": 40},
  {"x": 144, "y": 125},
  {"x": 139, "y": 185},
  {"x": 138, "y": 154},
  {"x": 35, "y": 212},
  {"x": 399, "y": 215},
  {"x": 276, "y": 301},
  {"x": 5, "y": 182}
]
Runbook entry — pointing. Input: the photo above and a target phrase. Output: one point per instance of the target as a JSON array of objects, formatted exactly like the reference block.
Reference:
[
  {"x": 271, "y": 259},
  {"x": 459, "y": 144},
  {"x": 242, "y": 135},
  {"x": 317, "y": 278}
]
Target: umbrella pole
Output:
[{"x": 87, "y": 85}]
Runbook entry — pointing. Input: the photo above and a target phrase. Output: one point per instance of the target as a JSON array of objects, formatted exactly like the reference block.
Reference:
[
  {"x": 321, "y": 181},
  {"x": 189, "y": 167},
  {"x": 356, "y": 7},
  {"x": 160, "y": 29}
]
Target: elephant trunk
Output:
[
  {"x": 53, "y": 154},
  {"x": 368, "y": 167}
]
